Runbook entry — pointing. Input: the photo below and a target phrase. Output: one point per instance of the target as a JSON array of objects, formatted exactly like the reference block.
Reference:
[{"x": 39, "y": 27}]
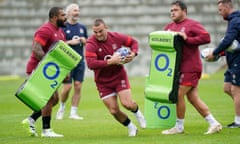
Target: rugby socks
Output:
[
  {"x": 179, "y": 124},
  {"x": 237, "y": 119},
  {"x": 73, "y": 110},
  {"x": 135, "y": 111},
  {"x": 32, "y": 121},
  {"x": 211, "y": 120},
  {"x": 46, "y": 122},
  {"x": 127, "y": 122},
  {"x": 62, "y": 106},
  {"x": 36, "y": 115},
  {"x": 131, "y": 125}
]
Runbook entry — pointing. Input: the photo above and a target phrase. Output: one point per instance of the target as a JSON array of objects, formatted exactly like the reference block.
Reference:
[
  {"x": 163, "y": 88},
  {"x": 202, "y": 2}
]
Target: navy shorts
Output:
[
  {"x": 77, "y": 74},
  {"x": 232, "y": 76}
]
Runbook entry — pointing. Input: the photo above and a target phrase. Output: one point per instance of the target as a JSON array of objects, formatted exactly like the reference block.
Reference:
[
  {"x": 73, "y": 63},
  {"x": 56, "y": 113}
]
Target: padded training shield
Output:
[
  {"x": 159, "y": 115},
  {"x": 47, "y": 77},
  {"x": 162, "y": 82}
]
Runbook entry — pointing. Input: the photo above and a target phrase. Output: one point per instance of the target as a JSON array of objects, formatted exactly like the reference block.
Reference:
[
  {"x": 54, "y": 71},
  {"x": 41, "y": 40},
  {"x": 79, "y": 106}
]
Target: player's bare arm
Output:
[{"x": 37, "y": 50}]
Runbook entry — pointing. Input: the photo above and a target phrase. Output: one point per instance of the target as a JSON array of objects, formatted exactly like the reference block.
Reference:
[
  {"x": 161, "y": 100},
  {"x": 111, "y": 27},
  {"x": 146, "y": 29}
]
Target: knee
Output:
[
  {"x": 193, "y": 100},
  {"x": 67, "y": 87},
  {"x": 55, "y": 99},
  {"x": 77, "y": 84},
  {"x": 227, "y": 90},
  {"x": 190, "y": 100},
  {"x": 114, "y": 111}
]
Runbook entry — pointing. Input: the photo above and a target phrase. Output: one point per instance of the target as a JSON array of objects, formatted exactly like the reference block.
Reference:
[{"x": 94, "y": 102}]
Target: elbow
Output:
[
  {"x": 90, "y": 65},
  {"x": 208, "y": 38}
]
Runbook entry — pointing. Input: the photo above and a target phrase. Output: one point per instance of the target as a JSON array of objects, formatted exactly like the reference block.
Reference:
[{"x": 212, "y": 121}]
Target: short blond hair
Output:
[{"x": 70, "y": 7}]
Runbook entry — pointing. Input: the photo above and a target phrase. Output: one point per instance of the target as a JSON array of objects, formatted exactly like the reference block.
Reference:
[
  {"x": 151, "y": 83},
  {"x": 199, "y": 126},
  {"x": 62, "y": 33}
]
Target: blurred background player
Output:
[
  {"x": 109, "y": 73},
  {"x": 45, "y": 36},
  {"x": 194, "y": 35},
  {"x": 232, "y": 74},
  {"x": 76, "y": 35}
]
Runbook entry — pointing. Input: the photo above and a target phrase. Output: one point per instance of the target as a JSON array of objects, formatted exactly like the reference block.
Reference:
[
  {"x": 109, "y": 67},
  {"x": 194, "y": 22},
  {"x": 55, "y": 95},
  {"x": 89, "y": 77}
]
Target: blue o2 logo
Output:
[
  {"x": 54, "y": 76},
  {"x": 163, "y": 111},
  {"x": 53, "y": 68},
  {"x": 166, "y": 110},
  {"x": 164, "y": 66}
]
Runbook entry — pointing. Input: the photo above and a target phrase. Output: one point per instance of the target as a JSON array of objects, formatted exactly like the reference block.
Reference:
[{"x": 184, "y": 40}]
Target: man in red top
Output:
[
  {"x": 191, "y": 67},
  {"x": 44, "y": 37},
  {"x": 110, "y": 76}
]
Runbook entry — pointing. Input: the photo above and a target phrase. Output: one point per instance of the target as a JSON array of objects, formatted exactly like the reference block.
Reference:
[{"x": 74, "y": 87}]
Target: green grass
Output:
[{"x": 99, "y": 127}]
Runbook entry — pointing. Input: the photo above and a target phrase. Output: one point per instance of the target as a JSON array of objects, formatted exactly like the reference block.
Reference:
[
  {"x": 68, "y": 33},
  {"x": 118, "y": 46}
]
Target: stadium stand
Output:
[{"x": 20, "y": 18}]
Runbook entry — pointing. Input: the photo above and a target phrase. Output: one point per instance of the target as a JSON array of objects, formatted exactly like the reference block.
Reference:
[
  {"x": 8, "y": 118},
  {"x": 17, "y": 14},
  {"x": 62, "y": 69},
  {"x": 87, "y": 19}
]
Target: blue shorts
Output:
[
  {"x": 232, "y": 76},
  {"x": 77, "y": 74}
]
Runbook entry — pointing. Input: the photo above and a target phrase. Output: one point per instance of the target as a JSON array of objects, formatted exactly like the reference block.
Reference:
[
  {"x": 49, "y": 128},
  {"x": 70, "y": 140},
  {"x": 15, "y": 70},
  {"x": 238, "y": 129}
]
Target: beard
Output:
[
  {"x": 75, "y": 18},
  {"x": 61, "y": 23}
]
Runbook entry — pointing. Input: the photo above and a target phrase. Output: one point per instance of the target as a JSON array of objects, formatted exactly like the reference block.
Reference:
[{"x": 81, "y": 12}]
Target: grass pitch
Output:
[{"x": 99, "y": 127}]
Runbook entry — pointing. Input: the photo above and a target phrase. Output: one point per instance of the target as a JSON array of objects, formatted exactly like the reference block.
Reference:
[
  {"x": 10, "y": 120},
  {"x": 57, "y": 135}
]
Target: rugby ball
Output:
[
  {"x": 123, "y": 52},
  {"x": 205, "y": 52}
]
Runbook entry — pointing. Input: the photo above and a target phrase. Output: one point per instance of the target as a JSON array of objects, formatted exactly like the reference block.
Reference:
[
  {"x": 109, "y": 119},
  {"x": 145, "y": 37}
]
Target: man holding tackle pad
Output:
[{"x": 44, "y": 37}]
